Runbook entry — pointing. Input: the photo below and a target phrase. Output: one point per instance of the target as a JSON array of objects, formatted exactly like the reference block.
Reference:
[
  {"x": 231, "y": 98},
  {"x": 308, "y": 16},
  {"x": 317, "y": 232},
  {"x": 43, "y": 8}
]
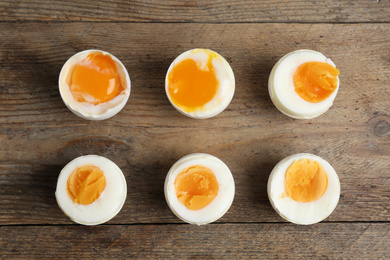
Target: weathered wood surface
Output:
[
  {"x": 216, "y": 241},
  {"x": 39, "y": 135},
  {"x": 201, "y": 11}
]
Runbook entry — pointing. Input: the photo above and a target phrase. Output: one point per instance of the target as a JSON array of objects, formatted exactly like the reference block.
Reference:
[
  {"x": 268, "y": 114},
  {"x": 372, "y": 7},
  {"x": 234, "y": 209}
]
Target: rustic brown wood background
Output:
[{"x": 39, "y": 135}]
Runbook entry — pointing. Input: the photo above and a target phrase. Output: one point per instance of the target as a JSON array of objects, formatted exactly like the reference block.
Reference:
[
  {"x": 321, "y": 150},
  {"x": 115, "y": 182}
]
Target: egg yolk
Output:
[
  {"x": 85, "y": 184},
  {"x": 196, "y": 187},
  {"x": 315, "y": 81},
  {"x": 191, "y": 87},
  {"x": 305, "y": 180},
  {"x": 95, "y": 79}
]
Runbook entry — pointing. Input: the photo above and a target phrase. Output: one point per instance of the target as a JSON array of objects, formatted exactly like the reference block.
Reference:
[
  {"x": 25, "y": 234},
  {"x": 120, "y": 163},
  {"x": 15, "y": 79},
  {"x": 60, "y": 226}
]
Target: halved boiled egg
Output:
[
  {"x": 199, "y": 188},
  {"x": 94, "y": 84},
  {"x": 91, "y": 190},
  {"x": 303, "y": 188},
  {"x": 303, "y": 84},
  {"x": 200, "y": 83}
]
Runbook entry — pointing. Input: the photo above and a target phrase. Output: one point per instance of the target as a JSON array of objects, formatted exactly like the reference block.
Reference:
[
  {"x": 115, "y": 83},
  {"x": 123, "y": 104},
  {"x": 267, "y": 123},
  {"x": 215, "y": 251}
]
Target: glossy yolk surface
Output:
[
  {"x": 315, "y": 81},
  {"x": 85, "y": 184},
  {"x": 305, "y": 180},
  {"x": 95, "y": 79},
  {"x": 196, "y": 187},
  {"x": 189, "y": 86}
]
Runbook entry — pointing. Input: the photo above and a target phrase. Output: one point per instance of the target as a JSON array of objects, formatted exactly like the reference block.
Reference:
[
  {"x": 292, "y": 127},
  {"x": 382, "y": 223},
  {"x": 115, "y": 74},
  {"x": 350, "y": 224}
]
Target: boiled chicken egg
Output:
[
  {"x": 94, "y": 84},
  {"x": 303, "y": 84},
  {"x": 303, "y": 188},
  {"x": 199, "y": 188},
  {"x": 200, "y": 83},
  {"x": 91, "y": 190}
]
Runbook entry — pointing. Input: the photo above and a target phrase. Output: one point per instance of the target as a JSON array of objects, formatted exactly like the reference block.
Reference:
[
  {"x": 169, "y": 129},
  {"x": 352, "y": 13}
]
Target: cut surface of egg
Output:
[
  {"x": 303, "y": 188},
  {"x": 91, "y": 190},
  {"x": 200, "y": 83},
  {"x": 94, "y": 84},
  {"x": 199, "y": 188},
  {"x": 303, "y": 84}
]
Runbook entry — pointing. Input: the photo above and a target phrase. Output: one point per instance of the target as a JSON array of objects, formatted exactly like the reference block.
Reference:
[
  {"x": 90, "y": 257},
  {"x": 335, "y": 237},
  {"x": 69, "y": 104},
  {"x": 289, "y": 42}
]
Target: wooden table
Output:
[{"x": 39, "y": 135}]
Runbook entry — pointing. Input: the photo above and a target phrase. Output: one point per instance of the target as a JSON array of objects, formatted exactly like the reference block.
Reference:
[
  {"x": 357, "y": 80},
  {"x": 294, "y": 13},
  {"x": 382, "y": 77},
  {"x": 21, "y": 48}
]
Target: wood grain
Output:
[
  {"x": 39, "y": 135},
  {"x": 202, "y": 11},
  {"x": 221, "y": 241}
]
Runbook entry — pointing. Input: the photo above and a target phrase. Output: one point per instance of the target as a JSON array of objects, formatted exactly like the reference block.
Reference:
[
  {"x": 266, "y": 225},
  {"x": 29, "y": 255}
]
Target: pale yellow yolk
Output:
[
  {"x": 191, "y": 87},
  {"x": 196, "y": 187},
  {"x": 85, "y": 184},
  {"x": 315, "y": 81},
  {"x": 95, "y": 79},
  {"x": 305, "y": 180}
]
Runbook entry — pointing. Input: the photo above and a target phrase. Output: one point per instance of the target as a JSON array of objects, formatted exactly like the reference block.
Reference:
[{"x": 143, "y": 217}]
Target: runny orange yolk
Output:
[
  {"x": 196, "y": 187},
  {"x": 305, "y": 180},
  {"x": 95, "y": 79},
  {"x": 86, "y": 184},
  {"x": 191, "y": 87},
  {"x": 315, "y": 81}
]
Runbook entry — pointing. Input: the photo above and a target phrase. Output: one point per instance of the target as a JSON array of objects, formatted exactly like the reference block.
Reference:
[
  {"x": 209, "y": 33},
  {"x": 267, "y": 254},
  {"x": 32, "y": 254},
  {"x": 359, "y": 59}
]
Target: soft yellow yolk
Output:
[
  {"x": 315, "y": 81},
  {"x": 95, "y": 79},
  {"x": 191, "y": 87},
  {"x": 196, "y": 187},
  {"x": 86, "y": 184},
  {"x": 305, "y": 180}
]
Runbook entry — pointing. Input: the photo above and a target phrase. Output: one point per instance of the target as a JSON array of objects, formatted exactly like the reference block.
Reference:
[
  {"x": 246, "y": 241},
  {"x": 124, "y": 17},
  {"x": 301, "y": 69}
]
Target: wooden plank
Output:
[
  {"x": 39, "y": 135},
  {"x": 202, "y": 11},
  {"x": 223, "y": 241}
]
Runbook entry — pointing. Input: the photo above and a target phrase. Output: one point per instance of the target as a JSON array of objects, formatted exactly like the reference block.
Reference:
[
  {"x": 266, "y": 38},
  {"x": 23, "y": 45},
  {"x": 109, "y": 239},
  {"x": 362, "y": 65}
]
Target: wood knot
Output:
[
  {"x": 379, "y": 125},
  {"x": 382, "y": 128}
]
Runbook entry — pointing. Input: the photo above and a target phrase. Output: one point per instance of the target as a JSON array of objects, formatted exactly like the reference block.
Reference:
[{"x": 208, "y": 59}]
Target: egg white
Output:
[
  {"x": 282, "y": 91},
  {"x": 107, "y": 205},
  {"x": 221, "y": 203},
  {"x": 86, "y": 110},
  {"x": 224, "y": 74},
  {"x": 299, "y": 212}
]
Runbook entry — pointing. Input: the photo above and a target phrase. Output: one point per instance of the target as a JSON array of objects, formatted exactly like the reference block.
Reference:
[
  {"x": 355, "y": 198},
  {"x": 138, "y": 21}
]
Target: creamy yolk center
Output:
[
  {"x": 305, "y": 180},
  {"x": 85, "y": 184},
  {"x": 315, "y": 81},
  {"x": 191, "y": 87},
  {"x": 196, "y": 187},
  {"x": 95, "y": 79}
]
